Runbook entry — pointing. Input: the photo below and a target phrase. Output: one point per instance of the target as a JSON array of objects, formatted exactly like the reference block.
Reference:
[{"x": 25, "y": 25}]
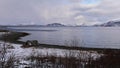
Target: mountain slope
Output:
[{"x": 110, "y": 24}]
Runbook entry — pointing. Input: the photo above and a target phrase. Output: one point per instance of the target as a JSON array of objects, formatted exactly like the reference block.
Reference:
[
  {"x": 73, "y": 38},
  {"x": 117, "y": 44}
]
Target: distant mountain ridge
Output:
[
  {"x": 110, "y": 24},
  {"x": 55, "y": 25},
  {"x": 36, "y": 25}
]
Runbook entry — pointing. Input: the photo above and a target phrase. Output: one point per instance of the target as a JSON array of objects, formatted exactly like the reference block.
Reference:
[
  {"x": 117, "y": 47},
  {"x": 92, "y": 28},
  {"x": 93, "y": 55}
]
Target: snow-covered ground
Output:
[{"x": 22, "y": 53}]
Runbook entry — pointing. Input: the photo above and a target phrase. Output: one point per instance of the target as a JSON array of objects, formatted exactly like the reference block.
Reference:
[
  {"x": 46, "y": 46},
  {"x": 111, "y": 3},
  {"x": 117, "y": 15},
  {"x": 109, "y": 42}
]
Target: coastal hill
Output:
[
  {"x": 55, "y": 25},
  {"x": 110, "y": 24}
]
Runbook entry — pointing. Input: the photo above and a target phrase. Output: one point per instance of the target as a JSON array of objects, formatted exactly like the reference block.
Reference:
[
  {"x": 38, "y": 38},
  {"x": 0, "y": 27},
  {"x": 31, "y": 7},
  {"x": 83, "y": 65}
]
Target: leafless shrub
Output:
[
  {"x": 74, "y": 43},
  {"x": 6, "y": 60},
  {"x": 10, "y": 62},
  {"x": 3, "y": 56}
]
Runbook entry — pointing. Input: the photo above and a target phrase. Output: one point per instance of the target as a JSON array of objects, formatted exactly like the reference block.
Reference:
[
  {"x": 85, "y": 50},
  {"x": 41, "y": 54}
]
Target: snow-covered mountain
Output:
[{"x": 110, "y": 24}]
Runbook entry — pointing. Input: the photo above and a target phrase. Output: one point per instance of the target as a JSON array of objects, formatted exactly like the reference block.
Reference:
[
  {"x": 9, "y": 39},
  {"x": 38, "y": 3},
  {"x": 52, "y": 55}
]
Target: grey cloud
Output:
[
  {"x": 63, "y": 11},
  {"x": 105, "y": 11},
  {"x": 16, "y": 11}
]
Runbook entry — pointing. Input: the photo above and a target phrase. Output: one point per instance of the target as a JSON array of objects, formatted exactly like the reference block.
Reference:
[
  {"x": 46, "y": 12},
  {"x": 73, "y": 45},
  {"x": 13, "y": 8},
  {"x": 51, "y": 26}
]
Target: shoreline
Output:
[
  {"x": 12, "y": 36},
  {"x": 99, "y": 50}
]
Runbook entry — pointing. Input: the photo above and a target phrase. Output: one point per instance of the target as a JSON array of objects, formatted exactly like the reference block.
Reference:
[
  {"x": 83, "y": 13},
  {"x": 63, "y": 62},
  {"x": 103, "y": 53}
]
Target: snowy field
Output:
[{"x": 23, "y": 53}]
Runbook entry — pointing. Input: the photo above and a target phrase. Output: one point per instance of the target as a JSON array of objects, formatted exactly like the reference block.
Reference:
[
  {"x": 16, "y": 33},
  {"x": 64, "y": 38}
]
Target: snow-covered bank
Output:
[{"x": 22, "y": 54}]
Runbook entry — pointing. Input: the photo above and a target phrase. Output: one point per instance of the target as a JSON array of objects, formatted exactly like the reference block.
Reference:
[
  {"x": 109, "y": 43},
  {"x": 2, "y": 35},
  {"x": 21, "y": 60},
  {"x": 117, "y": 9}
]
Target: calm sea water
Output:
[{"x": 98, "y": 37}]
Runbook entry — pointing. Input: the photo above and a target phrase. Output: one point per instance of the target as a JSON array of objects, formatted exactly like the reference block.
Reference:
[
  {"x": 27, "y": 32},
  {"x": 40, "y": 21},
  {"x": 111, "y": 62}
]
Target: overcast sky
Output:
[{"x": 58, "y": 11}]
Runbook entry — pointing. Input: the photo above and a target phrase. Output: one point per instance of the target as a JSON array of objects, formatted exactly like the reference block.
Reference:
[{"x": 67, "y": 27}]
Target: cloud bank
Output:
[{"x": 61, "y": 11}]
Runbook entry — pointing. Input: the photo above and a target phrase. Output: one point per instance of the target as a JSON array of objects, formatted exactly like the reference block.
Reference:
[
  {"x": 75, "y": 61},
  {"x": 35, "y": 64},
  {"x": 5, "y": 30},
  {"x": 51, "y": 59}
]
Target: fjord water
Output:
[{"x": 97, "y": 37}]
